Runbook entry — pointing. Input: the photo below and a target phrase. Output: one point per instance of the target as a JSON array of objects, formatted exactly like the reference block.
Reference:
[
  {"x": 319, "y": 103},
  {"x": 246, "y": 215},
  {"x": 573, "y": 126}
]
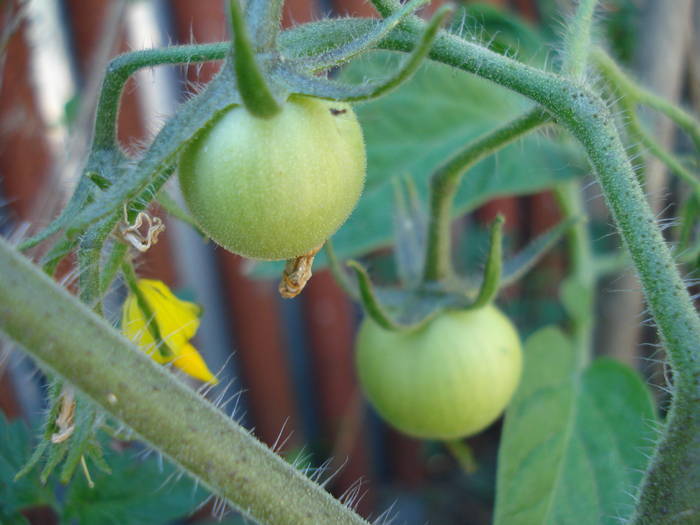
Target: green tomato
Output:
[
  {"x": 275, "y": 188},
  {"x": 446, "y": 380}
]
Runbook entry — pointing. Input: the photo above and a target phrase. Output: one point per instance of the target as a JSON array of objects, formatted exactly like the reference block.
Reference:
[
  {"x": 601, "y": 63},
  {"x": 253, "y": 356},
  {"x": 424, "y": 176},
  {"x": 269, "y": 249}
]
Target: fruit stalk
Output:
[{"x": 445, "y": 181}]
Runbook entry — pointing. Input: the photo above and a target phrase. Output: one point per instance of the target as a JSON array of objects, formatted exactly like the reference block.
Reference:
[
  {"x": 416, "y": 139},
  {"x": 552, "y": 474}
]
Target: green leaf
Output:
[
  {"x": 577, "y": 297},
  {"x": 137, "y": 492},
  {"x": 521, "y": 263},
  {"x": 15, "y": 449},
  {"x": 574, "y": 444},
  {"x": 13, "y": 519}
]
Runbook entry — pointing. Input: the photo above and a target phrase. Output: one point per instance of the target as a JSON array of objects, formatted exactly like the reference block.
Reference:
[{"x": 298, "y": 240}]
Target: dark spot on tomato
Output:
[{"x": 335, "y": 112}]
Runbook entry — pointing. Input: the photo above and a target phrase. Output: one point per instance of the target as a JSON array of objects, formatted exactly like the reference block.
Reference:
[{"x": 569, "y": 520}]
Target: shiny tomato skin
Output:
[
  {"x": 275, "y": 188},
  {"x": 449, "y": 379}
]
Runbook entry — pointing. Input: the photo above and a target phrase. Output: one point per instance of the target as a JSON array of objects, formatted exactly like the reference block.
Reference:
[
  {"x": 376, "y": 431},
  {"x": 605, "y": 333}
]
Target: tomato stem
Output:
[
  {"x": 445, "y": 182},
  {"x": 251, "y": 82}
]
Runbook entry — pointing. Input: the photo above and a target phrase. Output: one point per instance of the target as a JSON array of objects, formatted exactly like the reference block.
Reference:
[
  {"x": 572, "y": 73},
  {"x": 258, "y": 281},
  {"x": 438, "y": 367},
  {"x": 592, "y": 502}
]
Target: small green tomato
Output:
[
  {"x": 275, "y": 188},
  {"x": 449, "y": 379}
]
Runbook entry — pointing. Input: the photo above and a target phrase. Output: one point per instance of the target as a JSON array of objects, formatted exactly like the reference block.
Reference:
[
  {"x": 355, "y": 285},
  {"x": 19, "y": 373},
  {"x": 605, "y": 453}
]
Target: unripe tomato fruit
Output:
[
  {"x": 449, "y": 379},
  {"x": 275, "y": 188}
]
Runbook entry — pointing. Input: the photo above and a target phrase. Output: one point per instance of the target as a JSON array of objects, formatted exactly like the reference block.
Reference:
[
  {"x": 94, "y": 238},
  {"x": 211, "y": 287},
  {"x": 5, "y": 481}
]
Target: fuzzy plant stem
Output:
[
  {"x": 77, "y": 345},
  {"x": 578, "y": 40},
  {"x": 252, "y": 85},
  {"x": 671, "y": 484},
  {"x": 445, "y": 182},
  {"x": 578, "y": 48},
  {"x": 123, "y": 66}
]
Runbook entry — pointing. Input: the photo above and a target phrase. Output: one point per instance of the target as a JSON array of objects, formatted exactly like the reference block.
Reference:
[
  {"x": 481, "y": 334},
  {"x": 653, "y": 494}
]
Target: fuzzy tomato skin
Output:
[
  {"x": 449, "y": 379},
  {"x": 275, "y": 188}
]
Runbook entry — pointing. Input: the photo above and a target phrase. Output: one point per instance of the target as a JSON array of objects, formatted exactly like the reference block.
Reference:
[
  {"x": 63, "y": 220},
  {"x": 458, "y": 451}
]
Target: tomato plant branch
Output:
[
  {"x": 445, "y": 182},
  {"x": 44, "y": 319},
  {"x": 122, "y": 67},
  {"x": 578, "y": 40}
]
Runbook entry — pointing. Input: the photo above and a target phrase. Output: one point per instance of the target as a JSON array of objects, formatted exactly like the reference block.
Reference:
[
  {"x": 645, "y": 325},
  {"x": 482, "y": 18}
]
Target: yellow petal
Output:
[
  {"x": 177, "y": 322},
  {"x": 191, "y": 362},
  {"x": 177, "y": 319}
]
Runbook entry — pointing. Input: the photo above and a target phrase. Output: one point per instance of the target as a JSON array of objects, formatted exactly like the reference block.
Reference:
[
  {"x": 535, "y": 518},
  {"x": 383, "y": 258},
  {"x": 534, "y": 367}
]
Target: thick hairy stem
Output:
[
  {"x": 670, "y": 486},
  {"x": 122, "y": 67},
  {"x": 445, "y": 181},
  {"x": 70, "y": 340}
]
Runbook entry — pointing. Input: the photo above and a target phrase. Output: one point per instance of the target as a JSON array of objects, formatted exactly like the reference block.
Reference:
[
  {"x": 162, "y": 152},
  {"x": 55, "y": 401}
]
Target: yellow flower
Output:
[{"x": 176, "y": 322}]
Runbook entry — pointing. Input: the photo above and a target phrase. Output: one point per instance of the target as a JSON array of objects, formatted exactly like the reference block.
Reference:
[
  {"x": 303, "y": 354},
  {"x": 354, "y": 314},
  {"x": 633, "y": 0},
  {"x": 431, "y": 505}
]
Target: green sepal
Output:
[
  {"x": 339, "y": 274},
  {"x": 407, "y": 310},
  {"x": 491, "y": 280},
  {"x": 115, "y": 257},
  {"x": 49, "y": 427},
  {"x": 410, "y": 227},
  {"x": 371, "y": 303},
  {"x": 344, "y": 52},
  {"x": 81, "y": 440},
  {"x": 106, "y": 165},
  {"x": 301, "y": 83},
  {"x": 55, "y": 453}
]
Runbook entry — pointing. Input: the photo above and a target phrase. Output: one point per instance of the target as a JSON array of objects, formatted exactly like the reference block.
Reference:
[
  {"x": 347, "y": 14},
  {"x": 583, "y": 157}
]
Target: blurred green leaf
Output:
[
  {"x": 138, "y": 492},
  {"x": 410, "y": 132},
  {"x": 15, "y": 449},
  {"x": 577, "y": 297},
  {"x": 574, "y": 445}
]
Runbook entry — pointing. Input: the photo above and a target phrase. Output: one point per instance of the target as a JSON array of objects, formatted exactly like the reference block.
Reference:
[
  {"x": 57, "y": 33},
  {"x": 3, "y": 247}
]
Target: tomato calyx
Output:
[{"x": 416, "y": 301}]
